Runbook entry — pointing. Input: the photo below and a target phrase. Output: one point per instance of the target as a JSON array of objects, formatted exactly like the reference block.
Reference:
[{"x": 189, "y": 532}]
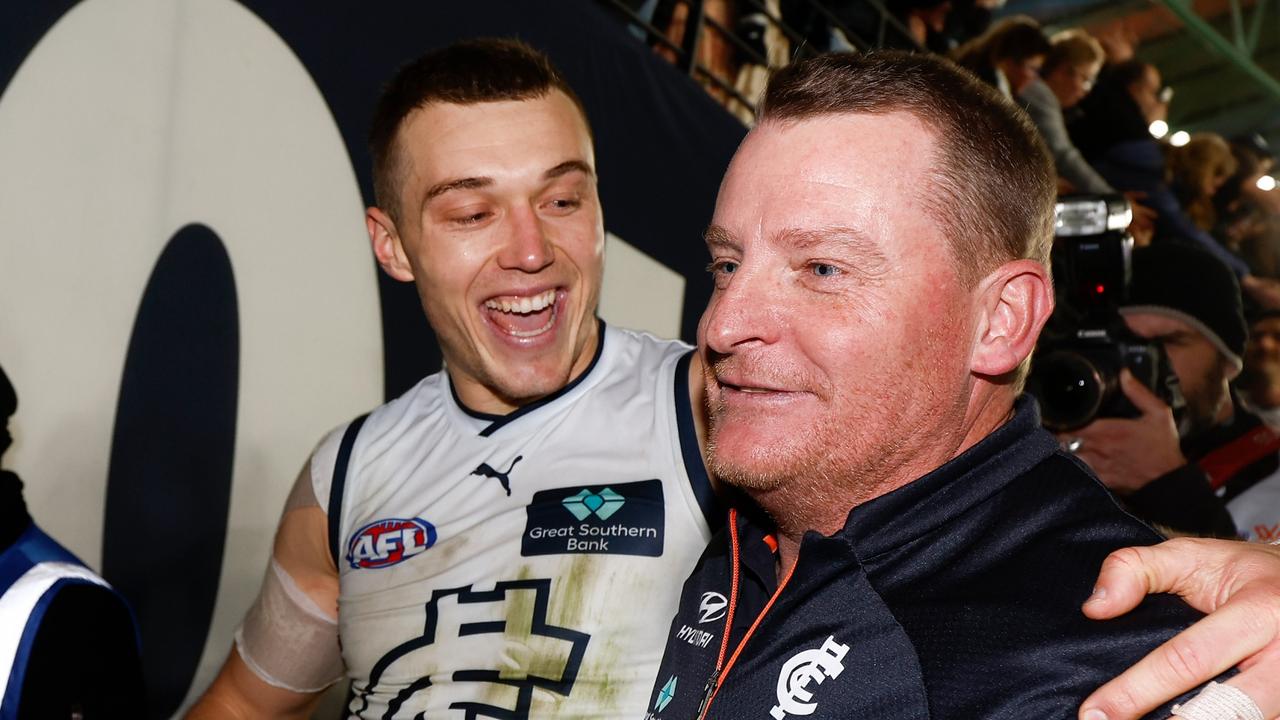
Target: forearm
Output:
[{"x": 239, "y": 694}]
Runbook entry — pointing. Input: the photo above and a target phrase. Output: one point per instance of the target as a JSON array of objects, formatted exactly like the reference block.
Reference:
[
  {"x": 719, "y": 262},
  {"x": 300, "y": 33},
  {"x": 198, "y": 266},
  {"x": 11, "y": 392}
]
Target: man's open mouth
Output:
[{"x": 523, "y": 316}]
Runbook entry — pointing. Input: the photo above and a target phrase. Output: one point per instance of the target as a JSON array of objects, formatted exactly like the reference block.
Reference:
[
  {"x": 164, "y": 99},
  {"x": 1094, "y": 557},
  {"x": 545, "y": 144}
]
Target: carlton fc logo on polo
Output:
[
  {"x": 383, "y": 543},
  {"x": 612, "y": 519},
  {"x": 809, "y": 667}
]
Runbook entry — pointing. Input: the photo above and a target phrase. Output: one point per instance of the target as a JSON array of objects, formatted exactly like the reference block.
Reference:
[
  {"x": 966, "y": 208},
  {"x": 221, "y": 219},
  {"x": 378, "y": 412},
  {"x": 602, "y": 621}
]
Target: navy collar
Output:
[
  {"x": 894, "y": 519},
  {"x": 919, "y": 507}
]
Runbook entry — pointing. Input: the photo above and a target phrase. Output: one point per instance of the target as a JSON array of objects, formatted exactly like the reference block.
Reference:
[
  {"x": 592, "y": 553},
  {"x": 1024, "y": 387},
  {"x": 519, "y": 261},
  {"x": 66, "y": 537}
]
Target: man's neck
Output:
[
  {"x": 794, "y": 512},
  {"x": 477, "y": 397}
]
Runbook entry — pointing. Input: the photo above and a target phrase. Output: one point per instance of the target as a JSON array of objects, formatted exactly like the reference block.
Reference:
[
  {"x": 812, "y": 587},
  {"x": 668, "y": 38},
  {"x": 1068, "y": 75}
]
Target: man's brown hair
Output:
[
  {"x": 992, "y": 186},
  {"x": 464, "y": 73}
]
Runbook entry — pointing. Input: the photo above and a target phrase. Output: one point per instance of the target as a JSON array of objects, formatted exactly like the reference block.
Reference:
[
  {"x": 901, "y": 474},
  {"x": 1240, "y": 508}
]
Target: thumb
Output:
[{"x": 1142, "y": 398}]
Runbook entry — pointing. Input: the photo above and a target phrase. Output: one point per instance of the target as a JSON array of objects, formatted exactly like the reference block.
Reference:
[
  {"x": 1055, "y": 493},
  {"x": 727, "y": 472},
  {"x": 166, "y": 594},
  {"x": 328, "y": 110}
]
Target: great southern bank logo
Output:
[
  {"x": 614, "y": 519},
  {"x": 384, "y": 543},
  {"x": 666, "y": 695},
  {"x": 603, "y": 504}
]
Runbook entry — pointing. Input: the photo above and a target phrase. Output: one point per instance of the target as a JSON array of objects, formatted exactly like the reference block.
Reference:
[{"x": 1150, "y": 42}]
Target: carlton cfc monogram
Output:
[{"x": 809, "y": 666}]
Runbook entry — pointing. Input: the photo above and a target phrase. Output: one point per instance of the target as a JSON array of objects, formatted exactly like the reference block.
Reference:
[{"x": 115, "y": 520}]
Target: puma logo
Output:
[{"x": 485, "y": 470}]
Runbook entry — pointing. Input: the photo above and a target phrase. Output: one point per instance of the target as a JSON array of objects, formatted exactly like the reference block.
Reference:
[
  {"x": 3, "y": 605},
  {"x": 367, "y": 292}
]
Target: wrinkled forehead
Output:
[{"x": 847, "y": 169}]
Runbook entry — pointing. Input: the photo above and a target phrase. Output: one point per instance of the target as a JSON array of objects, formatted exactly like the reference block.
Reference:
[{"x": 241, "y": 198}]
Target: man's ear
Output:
[
  {"x": 386, "y": 245},
  {"x": 1014, "y": 303}
]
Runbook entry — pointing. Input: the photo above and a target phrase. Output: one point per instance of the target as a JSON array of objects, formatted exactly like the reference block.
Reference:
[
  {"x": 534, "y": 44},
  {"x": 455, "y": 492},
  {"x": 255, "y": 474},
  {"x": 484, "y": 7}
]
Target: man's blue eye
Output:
[{"x": 825, "y": 270}]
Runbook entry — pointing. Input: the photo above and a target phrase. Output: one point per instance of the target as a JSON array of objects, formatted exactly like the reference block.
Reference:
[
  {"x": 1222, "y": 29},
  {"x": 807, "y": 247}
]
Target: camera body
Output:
[{"x": 1075, "y": 371}]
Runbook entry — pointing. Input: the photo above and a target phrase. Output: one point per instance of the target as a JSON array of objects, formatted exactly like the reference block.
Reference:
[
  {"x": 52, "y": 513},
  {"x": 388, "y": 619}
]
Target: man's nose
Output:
[
  {"x": 747, "y": 311},
  {"x": 527, "y": 247}
]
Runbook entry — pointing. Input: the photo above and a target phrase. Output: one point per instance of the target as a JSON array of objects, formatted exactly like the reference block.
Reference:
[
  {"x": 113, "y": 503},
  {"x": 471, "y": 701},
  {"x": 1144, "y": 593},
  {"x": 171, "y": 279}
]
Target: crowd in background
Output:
[{"x": 1205, "y": 220}]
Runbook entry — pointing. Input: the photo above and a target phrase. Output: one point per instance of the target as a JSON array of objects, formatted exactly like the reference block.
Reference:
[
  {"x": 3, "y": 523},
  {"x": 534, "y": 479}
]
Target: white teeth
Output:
[
  {"x": 523, "y": 305},
  {"x": 531, "y": 333}
]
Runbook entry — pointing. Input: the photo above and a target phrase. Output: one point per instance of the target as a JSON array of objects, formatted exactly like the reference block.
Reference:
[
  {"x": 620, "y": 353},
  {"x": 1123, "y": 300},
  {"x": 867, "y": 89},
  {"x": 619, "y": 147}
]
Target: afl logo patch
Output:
[{"x": 384, "y": 543}]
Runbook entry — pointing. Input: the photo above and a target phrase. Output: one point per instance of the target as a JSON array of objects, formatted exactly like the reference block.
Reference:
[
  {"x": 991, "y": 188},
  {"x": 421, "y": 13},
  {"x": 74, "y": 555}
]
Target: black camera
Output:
[{"x": 1075, "y": 371}]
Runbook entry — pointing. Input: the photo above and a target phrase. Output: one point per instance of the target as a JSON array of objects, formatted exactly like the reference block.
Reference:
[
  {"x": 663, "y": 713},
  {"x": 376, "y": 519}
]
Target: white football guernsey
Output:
[{"x": 519, "y": 566}]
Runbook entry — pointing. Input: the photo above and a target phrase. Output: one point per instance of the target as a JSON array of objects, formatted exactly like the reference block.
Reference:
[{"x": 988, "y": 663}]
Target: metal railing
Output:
[{"x": 683, "y": 42}]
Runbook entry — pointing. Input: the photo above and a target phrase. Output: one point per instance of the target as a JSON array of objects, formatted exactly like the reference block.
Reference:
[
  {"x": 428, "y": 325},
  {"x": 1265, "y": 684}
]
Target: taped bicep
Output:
[{"x": 289, "y": 637}]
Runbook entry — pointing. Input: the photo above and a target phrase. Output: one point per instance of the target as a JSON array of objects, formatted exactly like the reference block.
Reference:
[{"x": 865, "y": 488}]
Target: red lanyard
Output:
[{"x": 722, "y": 669}]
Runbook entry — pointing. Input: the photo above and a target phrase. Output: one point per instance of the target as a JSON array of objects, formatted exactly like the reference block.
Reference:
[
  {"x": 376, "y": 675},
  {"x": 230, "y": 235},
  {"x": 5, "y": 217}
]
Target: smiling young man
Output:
[
  {"x": 915, "y": 543},
  {"x": 504, "y": 539},
  {"x": 507, "y": 538}
]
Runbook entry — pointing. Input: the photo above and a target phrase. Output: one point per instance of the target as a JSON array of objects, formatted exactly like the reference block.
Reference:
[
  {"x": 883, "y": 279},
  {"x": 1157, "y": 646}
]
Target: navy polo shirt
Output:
[{"x": 956, "y": 596}]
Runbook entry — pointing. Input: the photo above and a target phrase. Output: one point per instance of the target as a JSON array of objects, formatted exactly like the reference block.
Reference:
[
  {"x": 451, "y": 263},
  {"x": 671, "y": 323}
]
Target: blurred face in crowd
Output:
[
  {"x": 1020, "y": 72},
  {"x": 935, "y": 16},
  {"x": 833, "y": 343},
  {"x": 1201, "y": 369},
  {"x": 1146, "y": 92},
  {"x": 1261, "y": 375},
  {"x": 1070, "y": 83},
  {"x": 502, "y": 232}
]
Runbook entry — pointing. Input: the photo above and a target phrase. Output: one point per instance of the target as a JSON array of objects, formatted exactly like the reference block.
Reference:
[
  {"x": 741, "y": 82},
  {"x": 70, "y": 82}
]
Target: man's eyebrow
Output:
[
  {"x": 567, "y": 167},
  {"x": 848, "y": 240},
  {"x": 717, "y": 236},
  {"x": 471, "y": 183},
  {"x": 476, "y": 183}
]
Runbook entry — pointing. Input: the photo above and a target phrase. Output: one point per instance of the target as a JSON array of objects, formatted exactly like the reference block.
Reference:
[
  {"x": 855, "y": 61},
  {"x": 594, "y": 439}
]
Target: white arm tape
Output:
[{"x": 287, "y": 640}]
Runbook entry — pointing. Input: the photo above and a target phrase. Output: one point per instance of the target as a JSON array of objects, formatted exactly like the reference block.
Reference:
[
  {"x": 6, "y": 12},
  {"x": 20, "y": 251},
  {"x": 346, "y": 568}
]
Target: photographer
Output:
[{"x": 1190, "y": 303}]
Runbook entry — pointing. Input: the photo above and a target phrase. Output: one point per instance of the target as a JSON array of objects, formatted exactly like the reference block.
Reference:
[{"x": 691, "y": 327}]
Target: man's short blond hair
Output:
[
  {"x": 1074, "y": 48},
  {"x": 991, "y": 187}
]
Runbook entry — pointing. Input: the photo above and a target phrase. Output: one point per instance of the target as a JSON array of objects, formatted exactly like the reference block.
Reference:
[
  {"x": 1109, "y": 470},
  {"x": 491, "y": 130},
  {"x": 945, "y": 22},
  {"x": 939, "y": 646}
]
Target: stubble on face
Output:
[
  {"x": 863, "y": 440},
  {"x": 1206, "y": 397},
  {"x": 865, "y": 382}
]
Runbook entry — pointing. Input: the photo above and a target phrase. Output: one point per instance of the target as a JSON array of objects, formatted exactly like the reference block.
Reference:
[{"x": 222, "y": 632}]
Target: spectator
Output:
[
  {"x": 1249, "y": 217},
  {"x": 1113, "y": 133},
  {"x": 1197, "y": 171},
  {"x": 925, "y": 21},
  {"x": 1008, "y": 56},
  {"x": 968, "y": 19},
  {"x": 1069, "y": 71},
  {"x": 1259, "y": 383},
  {"x": 1125, "y": 100},
  {"x": 1248, "y": 477},
  {"x": 73, "y": 648},
  {"x": 1153, "y": 463}
]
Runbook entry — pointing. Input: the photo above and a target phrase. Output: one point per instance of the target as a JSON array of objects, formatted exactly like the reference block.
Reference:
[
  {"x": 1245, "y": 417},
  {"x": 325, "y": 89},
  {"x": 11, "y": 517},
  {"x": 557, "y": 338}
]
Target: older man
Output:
[
  {"x": 506, "y": 539},
  {"x": 912, "y": 543}
]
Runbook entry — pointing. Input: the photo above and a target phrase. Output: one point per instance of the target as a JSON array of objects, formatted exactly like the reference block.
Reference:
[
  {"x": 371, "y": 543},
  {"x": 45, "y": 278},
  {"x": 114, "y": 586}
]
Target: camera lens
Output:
[{"x": 1069, "y": 387}]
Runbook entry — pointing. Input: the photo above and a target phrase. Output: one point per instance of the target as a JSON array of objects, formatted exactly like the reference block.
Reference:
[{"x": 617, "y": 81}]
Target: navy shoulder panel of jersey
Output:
[
  {"x": 992, "y": 603},
  {"x": 84, "y": 658}
]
